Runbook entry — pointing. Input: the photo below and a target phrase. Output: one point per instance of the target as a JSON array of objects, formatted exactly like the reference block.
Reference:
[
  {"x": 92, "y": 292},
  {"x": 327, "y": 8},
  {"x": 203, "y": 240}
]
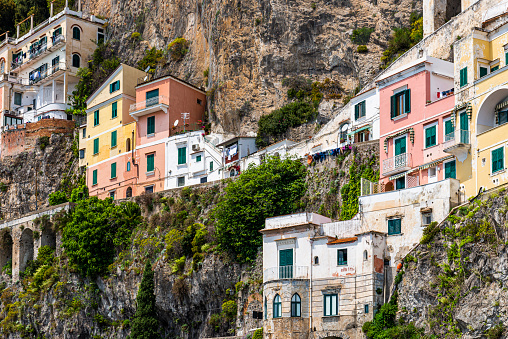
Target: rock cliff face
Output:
[
  {"x": 455, "y": 284},
  {"x": 249, "y": 46}
]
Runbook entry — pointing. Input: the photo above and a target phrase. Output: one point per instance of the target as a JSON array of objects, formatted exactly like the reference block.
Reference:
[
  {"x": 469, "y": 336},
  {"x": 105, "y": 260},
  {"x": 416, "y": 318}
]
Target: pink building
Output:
[
  {"x": 164, "y": 107},
  {"x": 416, "y": 102}
]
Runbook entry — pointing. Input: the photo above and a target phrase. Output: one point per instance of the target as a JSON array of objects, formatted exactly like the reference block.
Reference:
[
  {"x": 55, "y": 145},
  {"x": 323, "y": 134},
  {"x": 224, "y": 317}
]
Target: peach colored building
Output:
[
  {"x": 164, "y": 107},
  {"x": 416, "y": 102}
]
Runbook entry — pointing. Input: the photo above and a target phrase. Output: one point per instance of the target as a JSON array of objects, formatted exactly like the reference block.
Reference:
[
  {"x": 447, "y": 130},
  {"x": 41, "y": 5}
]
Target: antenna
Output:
[{"x": 185, "y": 116}]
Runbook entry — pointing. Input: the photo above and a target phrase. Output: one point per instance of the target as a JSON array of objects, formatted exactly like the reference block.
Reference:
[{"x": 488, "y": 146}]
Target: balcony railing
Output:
[
  {"x": 286, "y": 272},
  {"x": 457, "y": 137},
  {"x": 39, "y": 76},
  {"x": 398, "y": 162},
  {"x": 161, "y": 99},
  {"x": 34, "y": 53}
]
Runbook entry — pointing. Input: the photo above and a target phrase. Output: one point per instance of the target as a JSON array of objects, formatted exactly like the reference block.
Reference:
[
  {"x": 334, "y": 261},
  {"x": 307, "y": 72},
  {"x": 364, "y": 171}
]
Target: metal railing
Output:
[
  {"x": 161, "y": 99},
  {"x": 44, "y": 74},
  {"x": 397, "y": 162},
  {"x": 286, "y": 272},
  {"x": 456, "y": 137},
  {"x": 37, "y": 51}
]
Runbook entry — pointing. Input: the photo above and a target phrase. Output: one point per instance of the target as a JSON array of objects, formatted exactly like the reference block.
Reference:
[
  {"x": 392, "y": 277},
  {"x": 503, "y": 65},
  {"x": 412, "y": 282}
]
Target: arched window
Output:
[
  {"x": 266, "y": 308},
  {"x": 365, "y": 255},
  {"x": 128, "y": 145},
  {"x": 316, "y": 260},
  {"x": 296, "y": 305},
  {"x": 128, "y": 166},
  {"x": 277, "y": 307},
  {"x": 128, "y": 194},
  {"x": 76, "y": 33},
  {"x": 75, "y": 60},
  {"x": 2, "y": 66}
]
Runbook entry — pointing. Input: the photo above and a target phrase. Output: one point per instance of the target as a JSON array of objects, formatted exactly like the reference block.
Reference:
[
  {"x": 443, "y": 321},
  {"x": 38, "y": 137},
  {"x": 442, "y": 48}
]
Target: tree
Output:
[
  {"x": 7, "y": 12},
  {"x": 145, "y": 324},
  {"x": 273, "y": 188},
  {"x": 97, "y": 228}
]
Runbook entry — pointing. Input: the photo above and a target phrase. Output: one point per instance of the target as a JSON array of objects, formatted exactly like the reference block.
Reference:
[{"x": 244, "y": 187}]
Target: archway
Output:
[
  {"x": 486, "y": 115},
  {"x": 48, "y": 236},
  {"x": 5, "y": 248},
  {"x": 26, "y": 248},
  {"x": 389, "y": 186},
  {"x": 128, "y": 193}
]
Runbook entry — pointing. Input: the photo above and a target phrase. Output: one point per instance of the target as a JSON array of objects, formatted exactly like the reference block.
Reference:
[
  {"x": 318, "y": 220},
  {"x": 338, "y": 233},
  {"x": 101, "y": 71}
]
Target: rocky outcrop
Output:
[
  {"x": 248, "y": 47},
  {"x": 455, "y": 283}
]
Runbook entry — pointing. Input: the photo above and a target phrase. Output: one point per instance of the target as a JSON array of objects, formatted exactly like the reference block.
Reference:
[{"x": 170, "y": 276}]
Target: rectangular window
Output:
[
  {"x": 150, "y": 125},
  {"x": 400, "y": 183},
  {"x": 149, "y": 189},
  {"x": 448, "y": 126},
  {"x": 483, "y": 71},
  {"x": 502, "y": 117},
  {"x": 113, "y": 139},
  {"x": 115, "y": 86},
  {"x": 286, "y": 264},
  {"x": 150, "y": 162},
  {"x": 400, "y": 146},
  {"x": 203, "y": 180},
  {"x": 394, "y": 226},
  {"x": 182, "y": 155},
  {"x": 152, "y": 97},
  {"x": 198, "y": 158},
  {"x": 181, "y": 181},
  {"x": 331, "y": 305},
  {"x": 430, "y": 136},
  {"x": 96, "y": 146},
  {"x": 84, "y": 133},
  {"x": 342, "y": 257},
  {"x": 400, "y": 103},
  {"x": 360, "y": 110},
  {"x": 495, "y": 68},
  {"x": 498, "y": 159},
  {"x": 96, "y": 118},
  {"x": 112, "y": 195},
  {"x": 366, "y": 308},
  {"x": 211, "y": 166},
  {"x": 114, "y": 110},
  {"x": 82, "y": 154},
  {"x": 450, "y": 170},
  {"x": 463, "y": 77},
  {"x": 113, "y": 170},
  {"x": 94, "y": 177},
  {"x": 17, "y": 98},
  {"x": 427, "y": 218}
]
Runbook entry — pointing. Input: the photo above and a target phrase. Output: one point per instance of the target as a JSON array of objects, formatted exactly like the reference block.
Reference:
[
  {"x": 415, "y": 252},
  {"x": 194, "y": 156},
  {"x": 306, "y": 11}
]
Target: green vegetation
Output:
[
  {"x": 152, "y": 57},
  {"x": 43, "y": 142},
  {"x": 178, "y": 48},
  {"x": 96, "y": 229},
  {"x": 101, "y": 64},
  {"x": 273, "y": 188},
  {"x": 258, "y": 334},
  {"x": 361, "y": 36},
  {"x": 496, "y": 332},
  {"x": 57, "y": 198},
  {"x": 403, "y": 39},
  {"x": 351, "y": 191},
  {"x": 362, "y": 49},
  {"x": 429, "y": 232},
  {"x": 136, "y": 36},
  {"x": 7, "y": 15},
  {"x": 144, "y": 325},
  {"x": 78, "y": 193}
]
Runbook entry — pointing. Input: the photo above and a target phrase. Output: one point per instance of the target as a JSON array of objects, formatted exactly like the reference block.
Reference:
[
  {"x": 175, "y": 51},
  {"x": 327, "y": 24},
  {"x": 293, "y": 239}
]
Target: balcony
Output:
[
  {"x": 286, "y": 272},
  {"x": 159, "y": 103},
  {"x": 458, "y": 143},
  {"x": 40, "y": 78},
  {"x": 397, "y": 164}
]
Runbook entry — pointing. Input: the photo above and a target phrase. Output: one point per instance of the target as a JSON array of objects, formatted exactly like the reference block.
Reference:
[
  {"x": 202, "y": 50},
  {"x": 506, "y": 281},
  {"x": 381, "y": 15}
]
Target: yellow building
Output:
[
  {"x": 111, "y": 170},
  {"x": 481, "y": 113}
]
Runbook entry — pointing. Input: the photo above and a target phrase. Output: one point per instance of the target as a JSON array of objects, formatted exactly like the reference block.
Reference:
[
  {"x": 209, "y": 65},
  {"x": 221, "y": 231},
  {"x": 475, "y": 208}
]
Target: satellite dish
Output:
[
  {"x": 176, "y": 123},
  {"x": 147, "y": 69}
]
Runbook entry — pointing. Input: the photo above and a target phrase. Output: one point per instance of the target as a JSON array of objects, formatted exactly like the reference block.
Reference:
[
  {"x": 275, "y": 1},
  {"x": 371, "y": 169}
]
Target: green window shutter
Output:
[
  {"x": 400, "y": 146},
  {"x": 363, "y": 108},
  {"x": 94, "y": 177},
  {"x": 198, "y": 158},
  {"x": 152, "y": 95},
  {"x": 150, "y": 162},
  {"x": 356, "y": 111},
  {"x": 113, "y": 170},
  {"x": 448, "y": 127},
  {"x": 497, "y": 159},
  {"x": 407, "y": 101},
  {"x": 450, "y": 170},
  {"x": 495, "y": 68},
  {"x": 113, "y": 139},
  {"x": 394, "y": 226},
  {"x": 182, "y": 155},
  {"x": 430, "y": 136},
  {"x": 483, "y": 71},
  {"x": 96, "y": 146},
  {"x": 114, "y": 111},
  {"x": 211, "y": 166},
  {"x": 463, "y": 77},
  {"x": 392, "y": 106},
  {"x": 150, "y": 129},
  {"x": 96, "y": 118},
  {"x": 286, "y": 257},
  {"x": 111, "y": 88},
  {"x": 506, "y": 59}
]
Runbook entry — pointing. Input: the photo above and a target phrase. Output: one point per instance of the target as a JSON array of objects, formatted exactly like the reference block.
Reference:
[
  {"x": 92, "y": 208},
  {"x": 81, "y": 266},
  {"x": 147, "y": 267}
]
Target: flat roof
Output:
[{"x": 233, "y": 140}]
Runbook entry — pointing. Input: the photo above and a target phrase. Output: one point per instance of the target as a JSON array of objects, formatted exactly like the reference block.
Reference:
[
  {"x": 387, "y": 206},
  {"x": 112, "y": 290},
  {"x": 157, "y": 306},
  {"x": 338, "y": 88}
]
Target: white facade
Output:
[
  {"x": 233, "y": 151},
  {"x": 364, "y": 110},
  {"x": 280, "y": 148},
  {"x": 205, "y": 160}
]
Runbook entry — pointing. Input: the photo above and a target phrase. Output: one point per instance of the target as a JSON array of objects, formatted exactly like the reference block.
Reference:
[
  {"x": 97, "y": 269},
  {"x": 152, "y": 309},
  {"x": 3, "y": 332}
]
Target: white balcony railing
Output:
[
  {"x": 34, "y": 53},
  {"x": 161, "y": 99},
  {"x": 39, "y": 76},
  {"x": 398, "y": 162},
  {"x": 456, "y": 137},
  {"x": 286, "y": 272}
]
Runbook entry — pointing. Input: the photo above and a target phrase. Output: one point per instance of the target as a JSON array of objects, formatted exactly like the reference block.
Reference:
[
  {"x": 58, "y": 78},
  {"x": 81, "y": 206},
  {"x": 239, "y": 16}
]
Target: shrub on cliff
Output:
[
  {"x": 95, "y": 230},
  {"x": 145, "y": 324},
  {"x": 57, "y": 198},
  {"x": 361, "y": 36},
  {"x": 152, "y": 57},
  {"x": 178, "y": 48},
  {"x": 403, "y": 38},
  {"x": 273, "y": 188}
]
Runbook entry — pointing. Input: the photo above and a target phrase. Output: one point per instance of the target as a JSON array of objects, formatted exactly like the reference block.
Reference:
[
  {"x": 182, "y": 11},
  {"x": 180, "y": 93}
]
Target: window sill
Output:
[
  {"x": 113, "y": 147},
  {"x": 112, "y": 178},
  {"x": 150, "y": 173},
  {"x": 360, "y": 119},
  {"x": 150, "y": 135},
  {"x": 94, "y": 185},
  {"x": 341, "y": 265},
  {"x": 498, "y": 172},
  {"x": 331, "y": 316},
  {"x": 396, "y": 235},
  {"x": 95, "y": 154},
  {"x": 398, "y": 117},
  {"x": 426, "y": 148}
]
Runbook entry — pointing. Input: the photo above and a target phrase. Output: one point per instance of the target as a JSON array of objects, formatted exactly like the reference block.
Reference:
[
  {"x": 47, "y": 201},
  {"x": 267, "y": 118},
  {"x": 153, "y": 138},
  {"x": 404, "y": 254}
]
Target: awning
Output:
[
  {"x": 396, "y": 176},
  {"x": 333, "y": 241},
  {"x": 435, "y": 162},
  {"x": 359, "y": 129},
  {"x": 501, "y": 105}
]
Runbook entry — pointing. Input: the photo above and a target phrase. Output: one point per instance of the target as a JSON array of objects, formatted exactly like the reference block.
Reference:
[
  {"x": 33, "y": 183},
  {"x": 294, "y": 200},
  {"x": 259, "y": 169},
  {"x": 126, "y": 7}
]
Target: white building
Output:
[
  {"x": 205, "y": 159},
  {"x": 325, "y": 279},
  {"x": 364, "y": 110},
  {"x": 233, "y": 151}
]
